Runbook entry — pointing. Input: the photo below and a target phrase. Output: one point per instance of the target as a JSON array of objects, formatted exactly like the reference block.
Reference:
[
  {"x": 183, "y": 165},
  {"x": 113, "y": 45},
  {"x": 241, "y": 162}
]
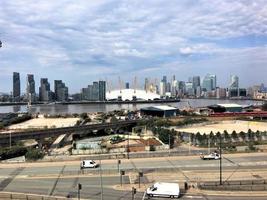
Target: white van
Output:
[
  {"x": 170, "y": 190},
  {"x": 88, "y": 164}
]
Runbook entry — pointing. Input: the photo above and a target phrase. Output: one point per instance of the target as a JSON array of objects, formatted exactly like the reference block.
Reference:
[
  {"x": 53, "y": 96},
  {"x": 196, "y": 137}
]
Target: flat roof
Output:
[
  {"x": 160, "y": 108},
  {"x": 230, "y": 105}
]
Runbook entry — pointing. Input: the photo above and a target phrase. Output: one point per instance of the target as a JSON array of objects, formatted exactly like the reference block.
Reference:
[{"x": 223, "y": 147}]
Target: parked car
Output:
[
  {"x": 212, "y": 156},
  {"x": 88, "y": 164},
  {"x": 160, "y": 189}
]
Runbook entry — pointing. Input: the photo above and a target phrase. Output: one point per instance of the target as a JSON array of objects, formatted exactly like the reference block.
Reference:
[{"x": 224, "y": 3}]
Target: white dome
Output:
[{"x": 128, "y": 94}]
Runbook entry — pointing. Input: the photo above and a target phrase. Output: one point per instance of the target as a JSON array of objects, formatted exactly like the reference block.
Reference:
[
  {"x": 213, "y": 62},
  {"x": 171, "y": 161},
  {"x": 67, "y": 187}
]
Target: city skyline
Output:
[
  {"x": 78, "y": 41},
  {"x": 116, "y": 84}
]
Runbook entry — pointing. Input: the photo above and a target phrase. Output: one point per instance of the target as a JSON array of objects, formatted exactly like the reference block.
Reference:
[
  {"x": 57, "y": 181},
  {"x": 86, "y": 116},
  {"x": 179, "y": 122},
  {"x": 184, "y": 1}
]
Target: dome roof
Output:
[{"x": 128, "y": 94}]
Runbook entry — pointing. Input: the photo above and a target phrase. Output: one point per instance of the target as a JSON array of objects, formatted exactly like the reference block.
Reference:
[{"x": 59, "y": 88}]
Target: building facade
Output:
[
  {"x": 30, "y": 88},
  {"x": 16, "y": 86},
  {"x": 61, "y": 91},
  {"x": 44, "y": 90}
]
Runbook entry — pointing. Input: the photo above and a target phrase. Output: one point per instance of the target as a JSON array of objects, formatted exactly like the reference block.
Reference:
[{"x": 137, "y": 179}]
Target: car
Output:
[
  {"x": 212, "y": 156},
  {"x": 160, "y": 189},
  {"x": 88, "y": 164}
]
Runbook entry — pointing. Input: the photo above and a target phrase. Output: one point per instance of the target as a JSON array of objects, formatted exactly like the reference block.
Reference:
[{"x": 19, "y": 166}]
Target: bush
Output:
[
  {"x": 34, "y": 154},
  {"x": 16, "y": 151}
]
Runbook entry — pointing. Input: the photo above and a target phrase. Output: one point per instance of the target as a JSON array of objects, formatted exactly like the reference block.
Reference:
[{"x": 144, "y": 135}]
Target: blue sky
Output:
[{"x": 81, "y": 41}]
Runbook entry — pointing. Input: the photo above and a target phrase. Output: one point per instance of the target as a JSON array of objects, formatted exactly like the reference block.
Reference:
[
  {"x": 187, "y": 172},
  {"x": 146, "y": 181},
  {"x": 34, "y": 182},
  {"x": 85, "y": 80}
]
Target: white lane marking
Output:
[{"x": 193, "y": 197}]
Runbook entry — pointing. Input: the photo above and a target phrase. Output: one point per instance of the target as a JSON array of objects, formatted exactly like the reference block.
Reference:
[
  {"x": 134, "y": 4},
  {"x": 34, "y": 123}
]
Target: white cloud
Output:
[{"x": 121, "y": 36}]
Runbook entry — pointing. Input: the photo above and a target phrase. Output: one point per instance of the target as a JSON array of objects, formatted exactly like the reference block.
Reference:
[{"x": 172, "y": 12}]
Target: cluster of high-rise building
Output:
[
  {"x": 198, "y": 88},
  {"x": 194, "y": 87},
  {"x": 60, "y": 92},
  {"x": 94, "y": 92}
]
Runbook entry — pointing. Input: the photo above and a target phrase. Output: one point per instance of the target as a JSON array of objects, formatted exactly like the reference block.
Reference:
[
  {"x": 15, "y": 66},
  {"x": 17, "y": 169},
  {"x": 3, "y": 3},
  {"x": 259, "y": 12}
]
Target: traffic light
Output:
[
  {"x": 134, "y": 190},
  {"x": 79, "y": 186},
  {"x": 0, "y": 44}
]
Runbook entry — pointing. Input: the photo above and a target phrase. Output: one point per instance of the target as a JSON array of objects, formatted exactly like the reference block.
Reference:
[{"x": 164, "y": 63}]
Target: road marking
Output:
[
  {"x": 193, "y": 197},
  {"x": 8, "y": 180},
  {"x": 55, "y": 184}
]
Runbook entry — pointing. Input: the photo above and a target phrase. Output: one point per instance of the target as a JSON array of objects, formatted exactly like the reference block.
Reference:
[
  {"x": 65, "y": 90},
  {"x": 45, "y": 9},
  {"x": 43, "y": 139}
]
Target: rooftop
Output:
[{"x": 160, "y": 108}]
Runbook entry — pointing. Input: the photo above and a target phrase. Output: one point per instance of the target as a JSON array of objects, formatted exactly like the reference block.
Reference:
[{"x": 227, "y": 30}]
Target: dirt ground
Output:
[
  {"x": 45, "y": 123},
  {"x": 229, "y": 126}
]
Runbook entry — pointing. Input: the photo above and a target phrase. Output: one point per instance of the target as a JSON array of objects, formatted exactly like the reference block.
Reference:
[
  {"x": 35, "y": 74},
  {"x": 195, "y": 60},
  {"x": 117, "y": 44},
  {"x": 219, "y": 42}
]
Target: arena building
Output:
[{"x": 131, "y": 95}]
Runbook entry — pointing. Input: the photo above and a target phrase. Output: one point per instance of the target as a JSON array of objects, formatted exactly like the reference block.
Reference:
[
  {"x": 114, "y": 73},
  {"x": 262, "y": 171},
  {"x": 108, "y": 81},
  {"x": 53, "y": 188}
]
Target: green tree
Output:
[
  {"x": 113, "y": 119},
  {"x": 34, "y": 154},
  {"x": 83, "y": 116},
  {"x": 234, "y": 135},
  {"x": 243, "y": 135}
]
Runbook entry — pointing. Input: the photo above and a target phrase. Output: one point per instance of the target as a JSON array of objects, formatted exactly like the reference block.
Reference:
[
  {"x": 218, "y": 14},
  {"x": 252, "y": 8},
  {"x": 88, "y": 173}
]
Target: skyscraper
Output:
[
  {"x": 61, "y": 91},
  {"x": 209, "y": 82},
  {"x": 234, "y": 84},
  {"x": 102, "y": 91},
  {"x": 95, "y": 92},
  {"x": 44, "y": 90},
  {"x": 162, "y": 88},
  {"x": 196, "y": 82},
  {"x": 16, "y": 86},
  {"x": 30, "y": 88}
]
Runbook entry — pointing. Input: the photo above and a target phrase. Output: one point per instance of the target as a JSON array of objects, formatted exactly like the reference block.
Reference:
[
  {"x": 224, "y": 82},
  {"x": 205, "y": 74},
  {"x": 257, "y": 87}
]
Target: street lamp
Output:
[{"x": 220, "y": 160}]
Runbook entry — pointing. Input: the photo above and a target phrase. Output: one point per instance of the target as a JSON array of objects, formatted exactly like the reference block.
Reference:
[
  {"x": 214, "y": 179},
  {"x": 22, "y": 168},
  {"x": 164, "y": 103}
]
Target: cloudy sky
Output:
[{"x": 81, "y": 41}]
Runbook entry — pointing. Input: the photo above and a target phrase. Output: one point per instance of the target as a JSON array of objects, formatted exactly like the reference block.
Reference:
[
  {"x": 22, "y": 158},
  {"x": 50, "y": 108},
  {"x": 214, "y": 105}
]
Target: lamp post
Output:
[{"x": 220, "y": 160}]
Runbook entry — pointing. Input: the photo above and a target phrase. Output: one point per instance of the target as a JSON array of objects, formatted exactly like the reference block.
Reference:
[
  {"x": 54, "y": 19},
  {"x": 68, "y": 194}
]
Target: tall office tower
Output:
[
  {"x": 102, "y": 90},
  {"x": 198, "y": 91},
  {"x": 95, "y": 91},
  {"x": 30, "y": 88},
  {"x": 174, "y": 87},
  {"x": 146, "y": 87},
  {"x": 214, "y": 81},
  {"x": 196, "y": 82},
  {"x": 16, "y": 86},
  {"x": 209, "y": 83},
  {"x": 164, "y": 79},
  {"x": 127, "y": 85},
  {"x": 189, "y": 88},
  {"x": 61, "y": 91},
  {"x": 44, "y": 90},
  {"x": 234, "y": 84},
  {"x": 162, "y": 88}
]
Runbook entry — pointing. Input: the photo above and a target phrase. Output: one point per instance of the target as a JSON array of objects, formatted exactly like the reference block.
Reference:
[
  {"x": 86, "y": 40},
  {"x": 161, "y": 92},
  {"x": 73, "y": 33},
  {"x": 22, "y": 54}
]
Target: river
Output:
[{"x": 80, "y": 108}]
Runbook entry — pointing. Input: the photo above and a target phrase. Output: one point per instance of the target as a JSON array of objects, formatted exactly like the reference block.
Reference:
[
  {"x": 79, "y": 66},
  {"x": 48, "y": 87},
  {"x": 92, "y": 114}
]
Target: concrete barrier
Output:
[{"x": 22, "y": 196}]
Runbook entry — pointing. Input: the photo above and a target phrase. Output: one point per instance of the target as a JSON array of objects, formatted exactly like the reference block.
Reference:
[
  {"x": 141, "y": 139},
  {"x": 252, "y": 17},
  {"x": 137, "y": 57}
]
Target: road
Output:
[{"x": 61, "y": 178}]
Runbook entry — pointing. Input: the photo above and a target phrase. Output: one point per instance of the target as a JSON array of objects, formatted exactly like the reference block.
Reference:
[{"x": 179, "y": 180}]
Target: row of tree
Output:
[{"x": 214, "y": 138}]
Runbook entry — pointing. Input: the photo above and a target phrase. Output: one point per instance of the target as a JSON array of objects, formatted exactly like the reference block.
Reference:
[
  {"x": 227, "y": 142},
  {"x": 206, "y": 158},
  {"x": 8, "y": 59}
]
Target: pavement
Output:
[{"x": 62, "y": 178}]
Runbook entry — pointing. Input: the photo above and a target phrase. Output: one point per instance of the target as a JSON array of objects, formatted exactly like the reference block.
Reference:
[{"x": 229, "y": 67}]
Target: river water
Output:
[{"x": 80, "y": 108}]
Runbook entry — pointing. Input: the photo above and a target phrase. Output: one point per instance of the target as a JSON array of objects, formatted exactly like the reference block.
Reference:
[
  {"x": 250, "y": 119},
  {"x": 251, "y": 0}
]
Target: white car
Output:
[
  {"x": 160, "y": 189},
  {"x": 212, "y": 156},
  {"x": 88, "y": 164}
]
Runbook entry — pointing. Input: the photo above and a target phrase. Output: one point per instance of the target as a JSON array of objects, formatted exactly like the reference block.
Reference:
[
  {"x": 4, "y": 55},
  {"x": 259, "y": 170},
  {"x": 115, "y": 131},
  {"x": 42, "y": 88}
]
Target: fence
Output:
[
  {"x": 22, "y": 196},
  {"x": 243, "y": 185}
]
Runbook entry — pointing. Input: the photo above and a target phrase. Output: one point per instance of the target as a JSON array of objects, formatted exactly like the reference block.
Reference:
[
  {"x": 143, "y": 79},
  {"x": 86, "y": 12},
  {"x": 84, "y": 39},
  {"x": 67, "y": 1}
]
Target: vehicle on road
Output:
[
  {"x": 212, "y": 156},
  {"x": 160, "y": 189},
  {"x": 88, "y": 164}
]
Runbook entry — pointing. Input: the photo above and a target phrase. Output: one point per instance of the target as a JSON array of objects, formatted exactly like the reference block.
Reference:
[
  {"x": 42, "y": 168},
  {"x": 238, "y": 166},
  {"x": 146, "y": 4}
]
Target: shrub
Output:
[
  {"x": 34, "y": 154},
  {"x": 16, "y": 151}
]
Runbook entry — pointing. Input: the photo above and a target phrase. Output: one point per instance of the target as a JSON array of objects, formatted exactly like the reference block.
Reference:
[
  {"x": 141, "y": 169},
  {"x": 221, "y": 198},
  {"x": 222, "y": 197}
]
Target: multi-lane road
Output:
[{"x": 61, "y": 178}]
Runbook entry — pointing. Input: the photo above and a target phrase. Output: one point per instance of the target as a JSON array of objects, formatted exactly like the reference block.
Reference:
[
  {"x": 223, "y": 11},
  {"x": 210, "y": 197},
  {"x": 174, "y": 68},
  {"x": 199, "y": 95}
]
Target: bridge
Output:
[{"x": 6, "y": 137}]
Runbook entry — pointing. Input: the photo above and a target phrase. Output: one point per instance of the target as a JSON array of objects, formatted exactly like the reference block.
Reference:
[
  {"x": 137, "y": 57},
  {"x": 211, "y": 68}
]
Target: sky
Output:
[{"x": 82, "y": 41}]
